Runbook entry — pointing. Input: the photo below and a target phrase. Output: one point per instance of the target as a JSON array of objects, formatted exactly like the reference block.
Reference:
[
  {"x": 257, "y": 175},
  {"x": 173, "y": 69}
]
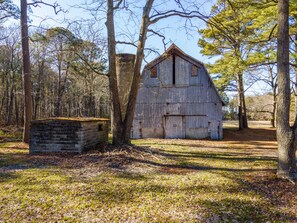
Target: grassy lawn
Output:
[
  {"x": 12, "y": 134},
  {"x": 156, "y": 180}
]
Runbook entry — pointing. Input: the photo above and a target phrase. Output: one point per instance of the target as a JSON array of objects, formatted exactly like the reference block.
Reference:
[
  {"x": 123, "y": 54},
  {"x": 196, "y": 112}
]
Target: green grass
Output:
[
  {"x": 155, "y": 181},
  {"x": 10, "y": 135}
]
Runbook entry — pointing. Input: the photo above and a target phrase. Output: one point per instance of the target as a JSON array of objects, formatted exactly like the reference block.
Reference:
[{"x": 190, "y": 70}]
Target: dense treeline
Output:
[{"x": 68, "y": 75}]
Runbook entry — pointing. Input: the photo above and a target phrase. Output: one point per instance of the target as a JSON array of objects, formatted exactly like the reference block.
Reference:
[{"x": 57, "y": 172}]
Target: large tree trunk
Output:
[
  {"x": 117, "y": 123},
  {"x": 286, "y": 136},
  {"x": 137, "y": 67},
  {"x": 242, "y": 114},
  {"x": 26, "y": 71},
  {"x": 122, "y": 128}
]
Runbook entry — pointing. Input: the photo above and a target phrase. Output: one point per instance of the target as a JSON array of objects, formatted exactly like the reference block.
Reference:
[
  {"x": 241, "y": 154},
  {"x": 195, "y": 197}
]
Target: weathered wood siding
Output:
[{"x": 189, "y": 108}]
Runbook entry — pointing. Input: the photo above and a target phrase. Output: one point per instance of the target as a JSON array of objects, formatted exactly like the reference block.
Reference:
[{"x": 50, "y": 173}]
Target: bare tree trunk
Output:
[
  {"x": 57, "y": 110},
  {"x": 241, "y": 105},
  {"x": 7, "y": 95},
  {"x": 245, "y": 121},
  {"x": 273, "y": 85},
  {"x": 273, "y": 114},
  {"x": 121, "y": 129},
  {"x": 38, "y": 90},
  {"x": 286, "y": 136},
  {"x": 2, "y": 106},
  {"x": 117, "y": 123},
  {"x": 26, "y": 71},
  {"x": 16, "y": 110},
  {"x": 61, "y": 90},
  {"x": 58, "y": 103},
  {"x": 51, "y": 105},
  {"x": 137, "y": 67},
  {"x": 10, "y": 104}
]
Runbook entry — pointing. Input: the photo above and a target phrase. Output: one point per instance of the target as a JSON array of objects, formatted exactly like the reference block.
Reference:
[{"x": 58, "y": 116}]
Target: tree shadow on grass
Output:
[
  {"x": 277, "y": 194},
  {"x": 240, "y": 210},
  {"x": 125, "y": 191},
  {"x": 233, "y": 145},
  {"x": 193, "y": 167},
  {"x": 242, "y": 156},
  {"x": 123, "y": 157},
  {"x": 128, "y": 187},
  {"x": 7, "y": 176},
  {"x": 131, "y": 176}
]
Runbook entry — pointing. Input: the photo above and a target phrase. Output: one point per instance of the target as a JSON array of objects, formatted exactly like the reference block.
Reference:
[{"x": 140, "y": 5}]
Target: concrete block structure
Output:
[{"x": 67, "y": 134}]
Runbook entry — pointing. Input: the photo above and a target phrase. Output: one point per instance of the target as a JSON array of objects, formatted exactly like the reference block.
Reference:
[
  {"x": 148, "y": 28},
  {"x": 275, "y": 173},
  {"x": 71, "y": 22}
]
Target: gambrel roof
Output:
[{"x": 173, "y": 49}]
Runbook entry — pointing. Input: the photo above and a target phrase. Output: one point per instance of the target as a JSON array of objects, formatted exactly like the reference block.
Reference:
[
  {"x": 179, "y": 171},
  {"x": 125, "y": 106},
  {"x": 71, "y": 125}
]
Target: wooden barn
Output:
[{"x": 177, "y": 99}]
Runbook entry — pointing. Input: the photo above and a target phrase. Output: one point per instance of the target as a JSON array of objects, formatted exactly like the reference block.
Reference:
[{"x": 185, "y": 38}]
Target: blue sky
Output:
[{"x": 172, "y": 28}]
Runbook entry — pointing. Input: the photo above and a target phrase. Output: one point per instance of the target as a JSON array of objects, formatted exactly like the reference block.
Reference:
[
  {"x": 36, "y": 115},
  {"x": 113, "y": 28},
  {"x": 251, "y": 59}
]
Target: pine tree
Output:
[{"x": 231, "y": 34}]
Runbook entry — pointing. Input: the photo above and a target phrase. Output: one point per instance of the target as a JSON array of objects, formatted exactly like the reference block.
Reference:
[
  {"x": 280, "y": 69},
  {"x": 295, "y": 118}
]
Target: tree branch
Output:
[
  {"x": 55, "y": 5},
  {"x": 162, "y": 15},
  {"x": 118, "y": 4},
  {"x": 160, "y": 35},
  {"x": 89, "y": 65}
]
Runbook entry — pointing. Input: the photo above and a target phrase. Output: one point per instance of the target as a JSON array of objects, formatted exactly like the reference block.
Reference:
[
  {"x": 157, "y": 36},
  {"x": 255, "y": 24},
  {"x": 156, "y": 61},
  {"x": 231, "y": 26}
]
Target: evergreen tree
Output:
[{"x": 233, "y": 31}]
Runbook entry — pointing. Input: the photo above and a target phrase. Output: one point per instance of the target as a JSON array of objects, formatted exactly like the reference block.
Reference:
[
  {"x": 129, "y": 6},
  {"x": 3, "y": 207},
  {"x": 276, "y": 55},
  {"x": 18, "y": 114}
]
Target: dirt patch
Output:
[{"x": 109, "y": 157}]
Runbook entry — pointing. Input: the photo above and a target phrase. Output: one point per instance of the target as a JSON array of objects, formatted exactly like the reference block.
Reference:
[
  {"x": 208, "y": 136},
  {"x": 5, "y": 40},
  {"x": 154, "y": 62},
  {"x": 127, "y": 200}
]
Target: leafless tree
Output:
[
  {"x": 26, "y": 71},
  {"x": 150, "y": 15}
]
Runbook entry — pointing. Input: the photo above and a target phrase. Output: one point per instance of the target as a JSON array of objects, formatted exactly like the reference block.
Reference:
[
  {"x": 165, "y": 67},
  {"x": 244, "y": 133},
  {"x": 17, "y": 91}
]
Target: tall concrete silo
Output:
[{"x": 124, "y": 70}]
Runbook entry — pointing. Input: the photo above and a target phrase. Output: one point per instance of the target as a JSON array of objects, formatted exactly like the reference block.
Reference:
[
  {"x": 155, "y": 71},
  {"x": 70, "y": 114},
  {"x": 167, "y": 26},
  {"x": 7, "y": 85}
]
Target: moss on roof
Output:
[{"x": 70, "y": 119}]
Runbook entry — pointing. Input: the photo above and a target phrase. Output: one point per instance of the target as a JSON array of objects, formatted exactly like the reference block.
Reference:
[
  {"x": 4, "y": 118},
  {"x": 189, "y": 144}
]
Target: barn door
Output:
[{"x": 174, "y": 128}]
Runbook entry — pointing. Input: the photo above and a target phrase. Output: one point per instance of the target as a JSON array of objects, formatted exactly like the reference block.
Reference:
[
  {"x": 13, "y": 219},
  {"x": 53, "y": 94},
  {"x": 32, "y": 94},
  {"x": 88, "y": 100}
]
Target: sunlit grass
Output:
[
  {"x": 10, "y": 135},
  {"x": 158, "y": 181},
  {"x": 50, "y": 195}
]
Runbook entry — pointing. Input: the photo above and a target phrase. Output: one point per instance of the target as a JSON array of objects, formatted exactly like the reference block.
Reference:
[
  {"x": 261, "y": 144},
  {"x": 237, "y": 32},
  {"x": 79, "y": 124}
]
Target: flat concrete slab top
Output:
[{"x": 66, "y": 119}]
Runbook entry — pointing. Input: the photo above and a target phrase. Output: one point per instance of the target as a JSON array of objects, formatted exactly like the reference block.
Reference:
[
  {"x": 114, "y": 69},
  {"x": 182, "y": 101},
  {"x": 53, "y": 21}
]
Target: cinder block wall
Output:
[{"x": 67, "y": 135}]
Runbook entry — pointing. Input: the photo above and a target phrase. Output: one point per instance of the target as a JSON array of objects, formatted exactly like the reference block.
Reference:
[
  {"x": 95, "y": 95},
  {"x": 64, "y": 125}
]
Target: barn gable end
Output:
[{"x": 177, "y": 99}]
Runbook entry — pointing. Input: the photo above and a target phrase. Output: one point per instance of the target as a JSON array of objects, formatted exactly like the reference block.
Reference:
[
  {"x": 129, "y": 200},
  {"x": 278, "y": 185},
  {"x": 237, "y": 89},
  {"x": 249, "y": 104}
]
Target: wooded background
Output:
[{"x": 68, "y": 75}]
